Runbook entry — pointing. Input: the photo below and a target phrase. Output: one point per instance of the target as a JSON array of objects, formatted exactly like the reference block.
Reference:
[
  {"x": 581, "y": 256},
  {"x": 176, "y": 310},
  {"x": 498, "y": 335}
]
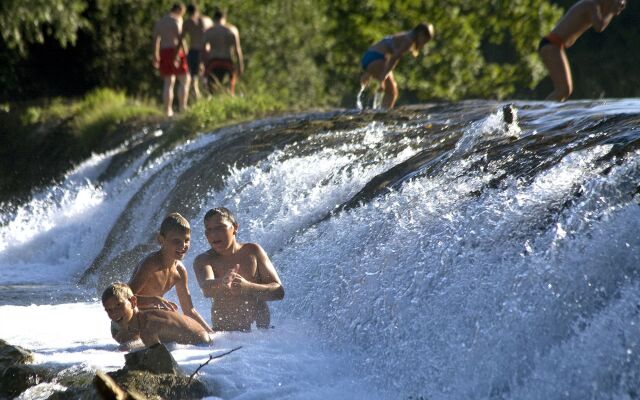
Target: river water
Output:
[{"x": 436, "y": 251}]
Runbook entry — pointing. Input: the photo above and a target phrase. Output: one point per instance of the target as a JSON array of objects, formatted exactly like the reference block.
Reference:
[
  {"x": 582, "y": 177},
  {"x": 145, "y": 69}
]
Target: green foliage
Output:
[
  {"x": 23, "y": 22},
  {"x": 306, "y": 53},
  {"x": 481, "y": 48}
]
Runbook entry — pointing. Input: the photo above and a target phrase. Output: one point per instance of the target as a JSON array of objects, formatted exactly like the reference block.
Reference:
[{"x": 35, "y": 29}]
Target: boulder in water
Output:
[{"x": 156, "y": 359}]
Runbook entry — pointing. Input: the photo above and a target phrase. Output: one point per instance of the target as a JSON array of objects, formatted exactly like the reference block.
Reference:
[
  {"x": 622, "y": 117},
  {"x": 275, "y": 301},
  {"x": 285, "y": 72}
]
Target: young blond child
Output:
[
  {"x": 162, "y": 270},
  {"x": 152, "y": 326},
  {"x": 580, "y": 17},
  {"x": 381, "y": 58},
  {"x": 239, "y": 277}
]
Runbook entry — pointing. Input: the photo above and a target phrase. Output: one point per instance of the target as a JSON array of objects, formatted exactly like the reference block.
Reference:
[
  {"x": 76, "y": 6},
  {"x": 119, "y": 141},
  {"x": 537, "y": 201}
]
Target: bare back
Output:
[
  {"x": 195, "y": 28},
  {"x": 166, "y": 326},
  {"x": 580, "y": 17},
  {"x": 221, "y": 40},
  {"x": 167, "y": 30}
]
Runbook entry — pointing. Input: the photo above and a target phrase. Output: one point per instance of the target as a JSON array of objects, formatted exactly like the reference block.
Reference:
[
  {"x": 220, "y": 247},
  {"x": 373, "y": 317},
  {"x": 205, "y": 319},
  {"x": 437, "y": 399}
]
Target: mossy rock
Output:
[
  {"x": 10, "y": 355},
  {"x": 160, "y": 386}
]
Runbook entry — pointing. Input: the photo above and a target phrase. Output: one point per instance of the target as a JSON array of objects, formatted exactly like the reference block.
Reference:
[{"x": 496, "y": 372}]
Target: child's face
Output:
[
  {"x": 220, "y": 232},
  {"x": 119, "y": 311},
  {"x": 175, "y": 244}
]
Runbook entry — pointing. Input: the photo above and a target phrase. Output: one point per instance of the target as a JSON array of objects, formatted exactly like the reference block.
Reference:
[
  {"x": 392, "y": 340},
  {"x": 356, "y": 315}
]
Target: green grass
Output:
[{"x": 217, "y": 111}]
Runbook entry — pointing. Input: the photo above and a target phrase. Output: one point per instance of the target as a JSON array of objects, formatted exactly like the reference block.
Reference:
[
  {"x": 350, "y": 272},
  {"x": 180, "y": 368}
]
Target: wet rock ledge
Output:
[{"x": 150, "y": 373}]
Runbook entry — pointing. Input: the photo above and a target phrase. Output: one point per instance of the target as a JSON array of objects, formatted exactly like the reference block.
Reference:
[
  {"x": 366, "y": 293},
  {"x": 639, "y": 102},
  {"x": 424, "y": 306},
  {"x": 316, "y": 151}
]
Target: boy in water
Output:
[
  {"x": 582, "y": 16},
  {"x": 152, "y": 326},
  {"x": 239, "y": 277},
  {"x": 162, "y": 270}
]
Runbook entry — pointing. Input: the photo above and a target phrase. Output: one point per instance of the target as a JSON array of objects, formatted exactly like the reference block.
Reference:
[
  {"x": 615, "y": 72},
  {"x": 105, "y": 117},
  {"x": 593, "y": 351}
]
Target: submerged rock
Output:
[
  {"x": 15, "y": 375},
  {"x": 20, "y": 377},
  {"x": 156, "y": 359}
]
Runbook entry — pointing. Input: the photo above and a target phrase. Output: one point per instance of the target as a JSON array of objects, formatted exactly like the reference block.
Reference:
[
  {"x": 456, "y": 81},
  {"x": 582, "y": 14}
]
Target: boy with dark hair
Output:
[
  {"x": 169, "y": 58},
  {"x": 221, "y": 45},
  {"x": 239, "y": 277}
]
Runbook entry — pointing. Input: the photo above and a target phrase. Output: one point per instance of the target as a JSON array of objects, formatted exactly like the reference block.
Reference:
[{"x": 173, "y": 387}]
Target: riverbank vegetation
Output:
[
  {"x": 298, "y": 55},
  {"x": 42, "y": 139}
]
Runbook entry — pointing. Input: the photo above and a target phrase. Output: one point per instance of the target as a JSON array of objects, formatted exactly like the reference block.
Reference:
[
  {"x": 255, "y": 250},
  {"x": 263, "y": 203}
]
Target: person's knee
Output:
[{"x": 564, "y": 91}]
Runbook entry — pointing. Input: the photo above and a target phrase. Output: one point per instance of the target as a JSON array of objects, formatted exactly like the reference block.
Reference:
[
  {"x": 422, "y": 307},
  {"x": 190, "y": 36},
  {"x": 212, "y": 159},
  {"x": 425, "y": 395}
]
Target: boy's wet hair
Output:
[
  {"x": 120, "y": 290},
  {"x": 174, "y": 222},
  {"x": 223, "y": 212},
  {"x": 192, "y": 8},
  {"x": 218, "y": 14},
  {"x": 424, "y": 28},
  {"x": 177, "y": 7}
]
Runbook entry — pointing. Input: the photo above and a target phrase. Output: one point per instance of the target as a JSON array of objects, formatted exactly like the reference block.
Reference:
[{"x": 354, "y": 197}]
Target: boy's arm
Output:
[
  {"x": 156, "y": 47},
  {"x": 238, "y": 49},
  {"x": 206, "y": 280},
  {"x": 395, "y": 58},
  {"x": 600, "y": 18},
  {"x": 270, "y": 288},
  {"x": 184, "y": 296}
]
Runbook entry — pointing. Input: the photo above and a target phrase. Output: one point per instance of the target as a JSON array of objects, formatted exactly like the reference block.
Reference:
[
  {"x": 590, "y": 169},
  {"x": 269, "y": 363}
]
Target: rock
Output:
[
  {"x": 19, "y": 377},
  {"x": 10, "y": 355},
  {"x": 160, "y": 386},
  {"x": 108, "y": 389},
  {"x": 156, "y": 359}
]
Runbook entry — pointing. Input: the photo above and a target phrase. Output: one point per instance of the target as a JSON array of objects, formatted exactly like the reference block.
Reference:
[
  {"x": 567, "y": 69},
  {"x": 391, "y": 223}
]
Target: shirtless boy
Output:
[
  {"x": 162, "y": 270},
  {"x": 239, "y": 277},
  {"x": 169, "y": 57},
  {"x": 152, "y": 326},
  {"x": 221, "y": 44},
  {"x": 194, "y": 27},
  {"x": 580, "y": 17}
]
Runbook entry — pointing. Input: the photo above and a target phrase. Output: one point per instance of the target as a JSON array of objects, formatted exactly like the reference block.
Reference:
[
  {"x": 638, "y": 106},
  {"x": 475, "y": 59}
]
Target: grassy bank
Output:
[{"x": 41, "y": 140}]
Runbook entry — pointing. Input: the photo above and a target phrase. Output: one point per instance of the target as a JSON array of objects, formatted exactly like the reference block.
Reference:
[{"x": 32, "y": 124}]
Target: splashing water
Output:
[{"x": 445, "y": 251}]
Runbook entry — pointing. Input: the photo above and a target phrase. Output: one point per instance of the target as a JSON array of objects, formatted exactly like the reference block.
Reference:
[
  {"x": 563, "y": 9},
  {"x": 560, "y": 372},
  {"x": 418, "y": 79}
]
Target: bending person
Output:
[
  {"x": 582, "y": 16},
  {"x": 380, "y": 59}
]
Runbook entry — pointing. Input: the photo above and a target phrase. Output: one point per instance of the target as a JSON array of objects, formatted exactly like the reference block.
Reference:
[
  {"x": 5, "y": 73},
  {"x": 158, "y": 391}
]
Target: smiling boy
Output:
[
  {"x": 152, "y": 326},
  {"x": 239, "y": 277},
  {"x": 161, "y": 270}
]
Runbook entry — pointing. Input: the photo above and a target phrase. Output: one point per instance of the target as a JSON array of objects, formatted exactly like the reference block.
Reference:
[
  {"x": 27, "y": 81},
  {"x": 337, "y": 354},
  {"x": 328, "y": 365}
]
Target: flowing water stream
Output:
[{"x": 438, "y": 251}]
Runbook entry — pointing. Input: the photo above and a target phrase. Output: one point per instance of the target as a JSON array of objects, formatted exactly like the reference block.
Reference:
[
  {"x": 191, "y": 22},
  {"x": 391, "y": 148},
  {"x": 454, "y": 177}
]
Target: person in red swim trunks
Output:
[
  {"x": 221, "y": 45},
  {"x": 169, "y": 58},
  {"x": 580, "y": 17}
]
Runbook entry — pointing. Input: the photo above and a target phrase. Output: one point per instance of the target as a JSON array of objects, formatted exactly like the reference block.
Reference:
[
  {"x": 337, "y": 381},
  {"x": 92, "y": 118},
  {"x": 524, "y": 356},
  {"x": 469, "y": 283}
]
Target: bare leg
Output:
[
  {"x": 555, "y": 59},
  {"x": 195, "y": 83},
  {"x": 167, "y": 94},
  {"x": 390, "y": 92},
  {"x": 183, "y": 93}
]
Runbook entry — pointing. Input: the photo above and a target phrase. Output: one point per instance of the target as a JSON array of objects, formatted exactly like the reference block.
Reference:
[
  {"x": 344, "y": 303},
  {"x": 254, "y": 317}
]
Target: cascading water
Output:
[{"x": 438, "y": 251}]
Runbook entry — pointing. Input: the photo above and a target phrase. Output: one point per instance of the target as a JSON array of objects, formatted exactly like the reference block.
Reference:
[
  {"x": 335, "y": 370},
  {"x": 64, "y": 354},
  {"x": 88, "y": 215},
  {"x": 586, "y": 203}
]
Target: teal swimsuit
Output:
[{"x": 373, "y": 55}]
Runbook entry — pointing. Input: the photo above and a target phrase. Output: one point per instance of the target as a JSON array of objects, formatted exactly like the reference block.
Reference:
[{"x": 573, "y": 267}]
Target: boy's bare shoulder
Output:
[
  {"x": 149, "y": 263},
  {"x": 252, "y": 248},
  {"x": 203, "y": 258}
]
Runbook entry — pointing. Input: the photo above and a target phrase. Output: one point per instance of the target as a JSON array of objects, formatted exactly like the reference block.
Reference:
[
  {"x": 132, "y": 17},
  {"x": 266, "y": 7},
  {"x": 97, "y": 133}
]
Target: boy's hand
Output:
[
  {"x": 239, "y": 285},
  {"x": 227, "y": 279},
  {"x": 164, "y": 304}
]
